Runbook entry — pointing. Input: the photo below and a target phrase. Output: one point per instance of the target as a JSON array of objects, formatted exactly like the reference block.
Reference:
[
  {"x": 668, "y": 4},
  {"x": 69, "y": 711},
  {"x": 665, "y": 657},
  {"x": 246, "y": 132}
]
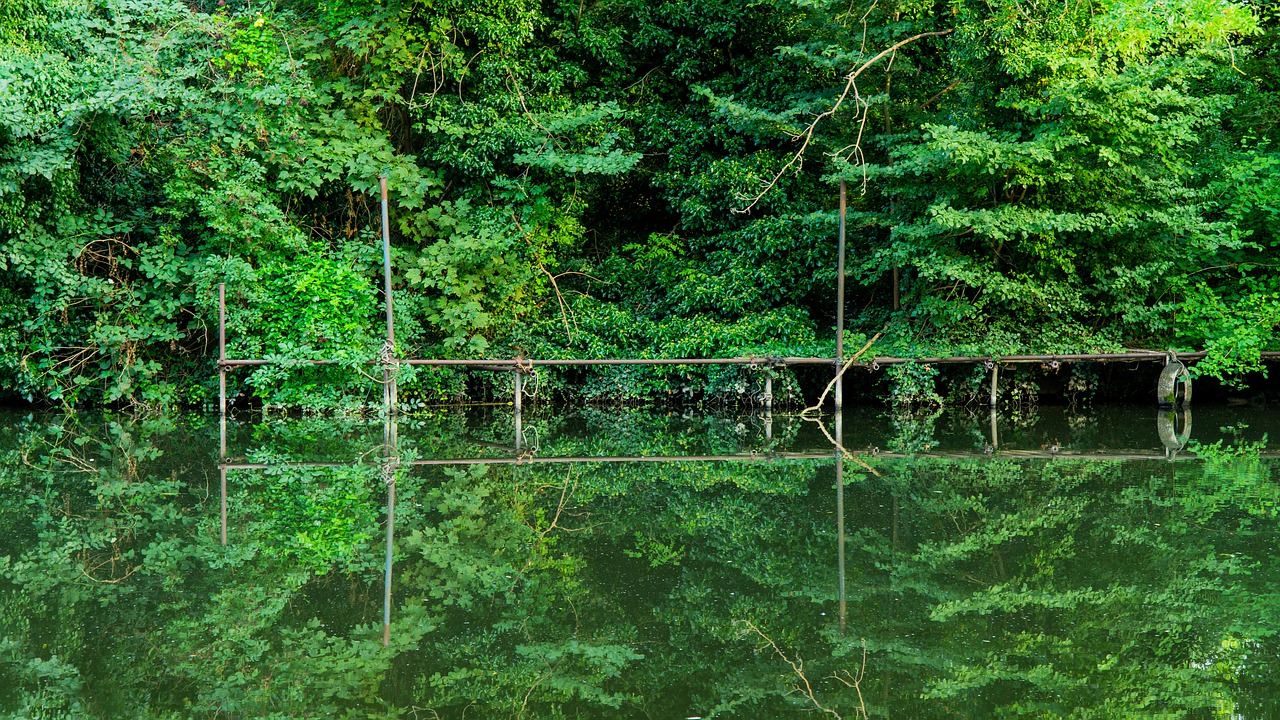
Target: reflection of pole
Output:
[
  {"x": 388, "y": 375},
  {"x": 839, "y": 401},
  {"x": 840, "y": 516},
  {"x": 840, "y": 304},
  {"x": 222, "y": 472},
  {"x": 390, "y": 430},
  {"x": 386, "y": 587},
  {"x": 519, "y": 404},
  {"x": 222, "y": 348}
]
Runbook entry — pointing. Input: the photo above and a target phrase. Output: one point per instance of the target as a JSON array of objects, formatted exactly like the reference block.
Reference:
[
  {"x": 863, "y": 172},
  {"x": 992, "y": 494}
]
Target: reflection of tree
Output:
[
  {"x": 978, "y": 587},
  {"x": 1075, "y": 588}
]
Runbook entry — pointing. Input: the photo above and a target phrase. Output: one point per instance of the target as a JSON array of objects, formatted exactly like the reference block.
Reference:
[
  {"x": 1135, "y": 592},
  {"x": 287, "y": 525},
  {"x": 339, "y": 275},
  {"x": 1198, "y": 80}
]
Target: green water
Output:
[{"x": 1056, "y": 564}]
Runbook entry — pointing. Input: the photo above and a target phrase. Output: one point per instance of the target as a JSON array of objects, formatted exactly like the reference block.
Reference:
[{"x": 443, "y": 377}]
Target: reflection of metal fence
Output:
[
  {"x": 1166, "y": 428},
  {"x": 388, "y": 360}
]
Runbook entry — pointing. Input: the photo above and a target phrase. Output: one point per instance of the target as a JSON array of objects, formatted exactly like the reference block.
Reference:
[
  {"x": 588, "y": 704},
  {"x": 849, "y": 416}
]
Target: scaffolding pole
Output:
[
  {"x": 389, "y": 351},
  {"x": 839, "y": 390}
]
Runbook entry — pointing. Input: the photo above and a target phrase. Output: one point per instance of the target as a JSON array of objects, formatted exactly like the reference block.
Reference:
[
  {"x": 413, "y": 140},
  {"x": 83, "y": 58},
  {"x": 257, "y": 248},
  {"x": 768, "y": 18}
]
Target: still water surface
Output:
[{"x": 1107, "y": 563}]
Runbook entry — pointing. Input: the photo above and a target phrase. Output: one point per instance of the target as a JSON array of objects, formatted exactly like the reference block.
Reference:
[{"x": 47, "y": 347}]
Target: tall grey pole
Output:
[
  {"x": 222, "y": 474},
  {"x": 519, "y": 406},
  {"x": 768, "y": 392},
  {"x": 768, "y": 405},
  {"x": 840, "y": 302},
  {"x": 840, "y": 518},
  {"x": 388, "y": 376},
  {"x": 391, "y": 441},
  {"x": 995, "y": 385},
  {"x": 222, "y": 348},
  {"x": 386, "y": 585}
]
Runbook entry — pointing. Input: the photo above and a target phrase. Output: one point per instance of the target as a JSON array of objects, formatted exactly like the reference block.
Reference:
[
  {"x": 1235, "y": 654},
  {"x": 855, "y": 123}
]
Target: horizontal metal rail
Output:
[
  {"x": 516, "y": 364},
  {"x": 1144, "y": 356},
  {"x": 1049, "y": 455},
  {"x": 511, "y": 365},
  {"x": 535, "y": 460},
  {"x": 755, "y": 457}
]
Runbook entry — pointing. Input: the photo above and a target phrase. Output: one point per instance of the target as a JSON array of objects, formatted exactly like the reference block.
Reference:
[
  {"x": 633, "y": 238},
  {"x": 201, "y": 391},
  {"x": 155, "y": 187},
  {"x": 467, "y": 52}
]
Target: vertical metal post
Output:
[
  {"x": 840, "y": 302},
  {"x": 390, "y": 430},
  {"x": 840, "y": 518},
  {"x": 222, "y": 473},
  {"x": 768, "y": 405},
  {"x": 388, "y": 376},
  {"x": 386, "y": 585},
  {"x": 222, "y": 410},
  {"x": 995, "y": 387},
  {"x": 995, "y": 404},
  {"x": 519, "y": 405},
  {"x": 768, "y": 392},
  {"x": 222, "y": 348},
  {"x": 897, "y": 303}
]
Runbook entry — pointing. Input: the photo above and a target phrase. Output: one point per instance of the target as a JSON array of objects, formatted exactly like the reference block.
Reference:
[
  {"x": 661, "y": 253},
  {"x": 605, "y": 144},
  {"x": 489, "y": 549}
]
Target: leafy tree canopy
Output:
[{"x": 625, "y": 178}]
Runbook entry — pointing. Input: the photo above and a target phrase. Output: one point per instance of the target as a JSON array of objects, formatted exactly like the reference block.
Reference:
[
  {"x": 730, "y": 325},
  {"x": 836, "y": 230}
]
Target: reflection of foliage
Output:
[
  {"x": 979, "y": 586},
  {"x": 655, "y": 552},
  {"x": 314, "y": 518}
]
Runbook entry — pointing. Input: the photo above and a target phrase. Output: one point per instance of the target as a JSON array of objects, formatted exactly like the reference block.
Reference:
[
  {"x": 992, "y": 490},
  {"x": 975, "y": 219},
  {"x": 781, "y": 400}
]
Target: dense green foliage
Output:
[
  {"x": 979, "y": 586},
  {"x": 570, "y": 179}
]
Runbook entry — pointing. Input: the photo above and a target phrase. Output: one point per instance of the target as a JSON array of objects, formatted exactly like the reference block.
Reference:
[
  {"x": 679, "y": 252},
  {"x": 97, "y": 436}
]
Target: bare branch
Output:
[
  {"x": 797, "y": 665},
  {"x": 851, "y": 86},
  {"x": 817, "y": 407}
]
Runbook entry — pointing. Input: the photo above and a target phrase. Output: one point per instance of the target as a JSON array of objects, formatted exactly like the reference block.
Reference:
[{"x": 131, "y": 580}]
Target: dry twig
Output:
[
  {"x": 851, "y": 86},
  {"x": 797, "y": 666},
  {"x": 847, "y": 363}
]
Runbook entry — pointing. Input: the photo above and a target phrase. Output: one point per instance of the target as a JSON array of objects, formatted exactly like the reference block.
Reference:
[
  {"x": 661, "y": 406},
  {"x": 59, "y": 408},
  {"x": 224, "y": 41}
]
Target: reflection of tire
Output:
[
  {"x": 1174, "y": 387},
  {"x": 1167, "y": 428}
]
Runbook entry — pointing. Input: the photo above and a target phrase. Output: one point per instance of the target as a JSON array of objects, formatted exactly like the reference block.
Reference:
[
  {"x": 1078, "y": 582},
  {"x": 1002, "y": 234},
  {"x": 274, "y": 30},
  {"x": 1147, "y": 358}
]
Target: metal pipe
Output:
[
  {"x": 768, "y": 406},
  {"x": 506, "y": 365},
  {"x": 762, "y": 457},
  {"x": 839, "y": 389},
  {"x": 519, "y": 404},
  {"x": 995, "y": 388},
  {"x": 840, "y": 517},
  {"x": 386, "y": 261},
  {"x": 391, "y": 461},
  {"x": 386, "y": 585},
  {"x": 388, "y": 374},
  {"x": 222, "y": 475},
  {"x": 222, "y": 349},
  {"x": 745, "y": 457}
]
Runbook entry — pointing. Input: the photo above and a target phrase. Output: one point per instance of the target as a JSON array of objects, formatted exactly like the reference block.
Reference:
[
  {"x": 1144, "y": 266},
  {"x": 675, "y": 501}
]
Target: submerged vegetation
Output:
[{"x": 625, "y": 178}]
